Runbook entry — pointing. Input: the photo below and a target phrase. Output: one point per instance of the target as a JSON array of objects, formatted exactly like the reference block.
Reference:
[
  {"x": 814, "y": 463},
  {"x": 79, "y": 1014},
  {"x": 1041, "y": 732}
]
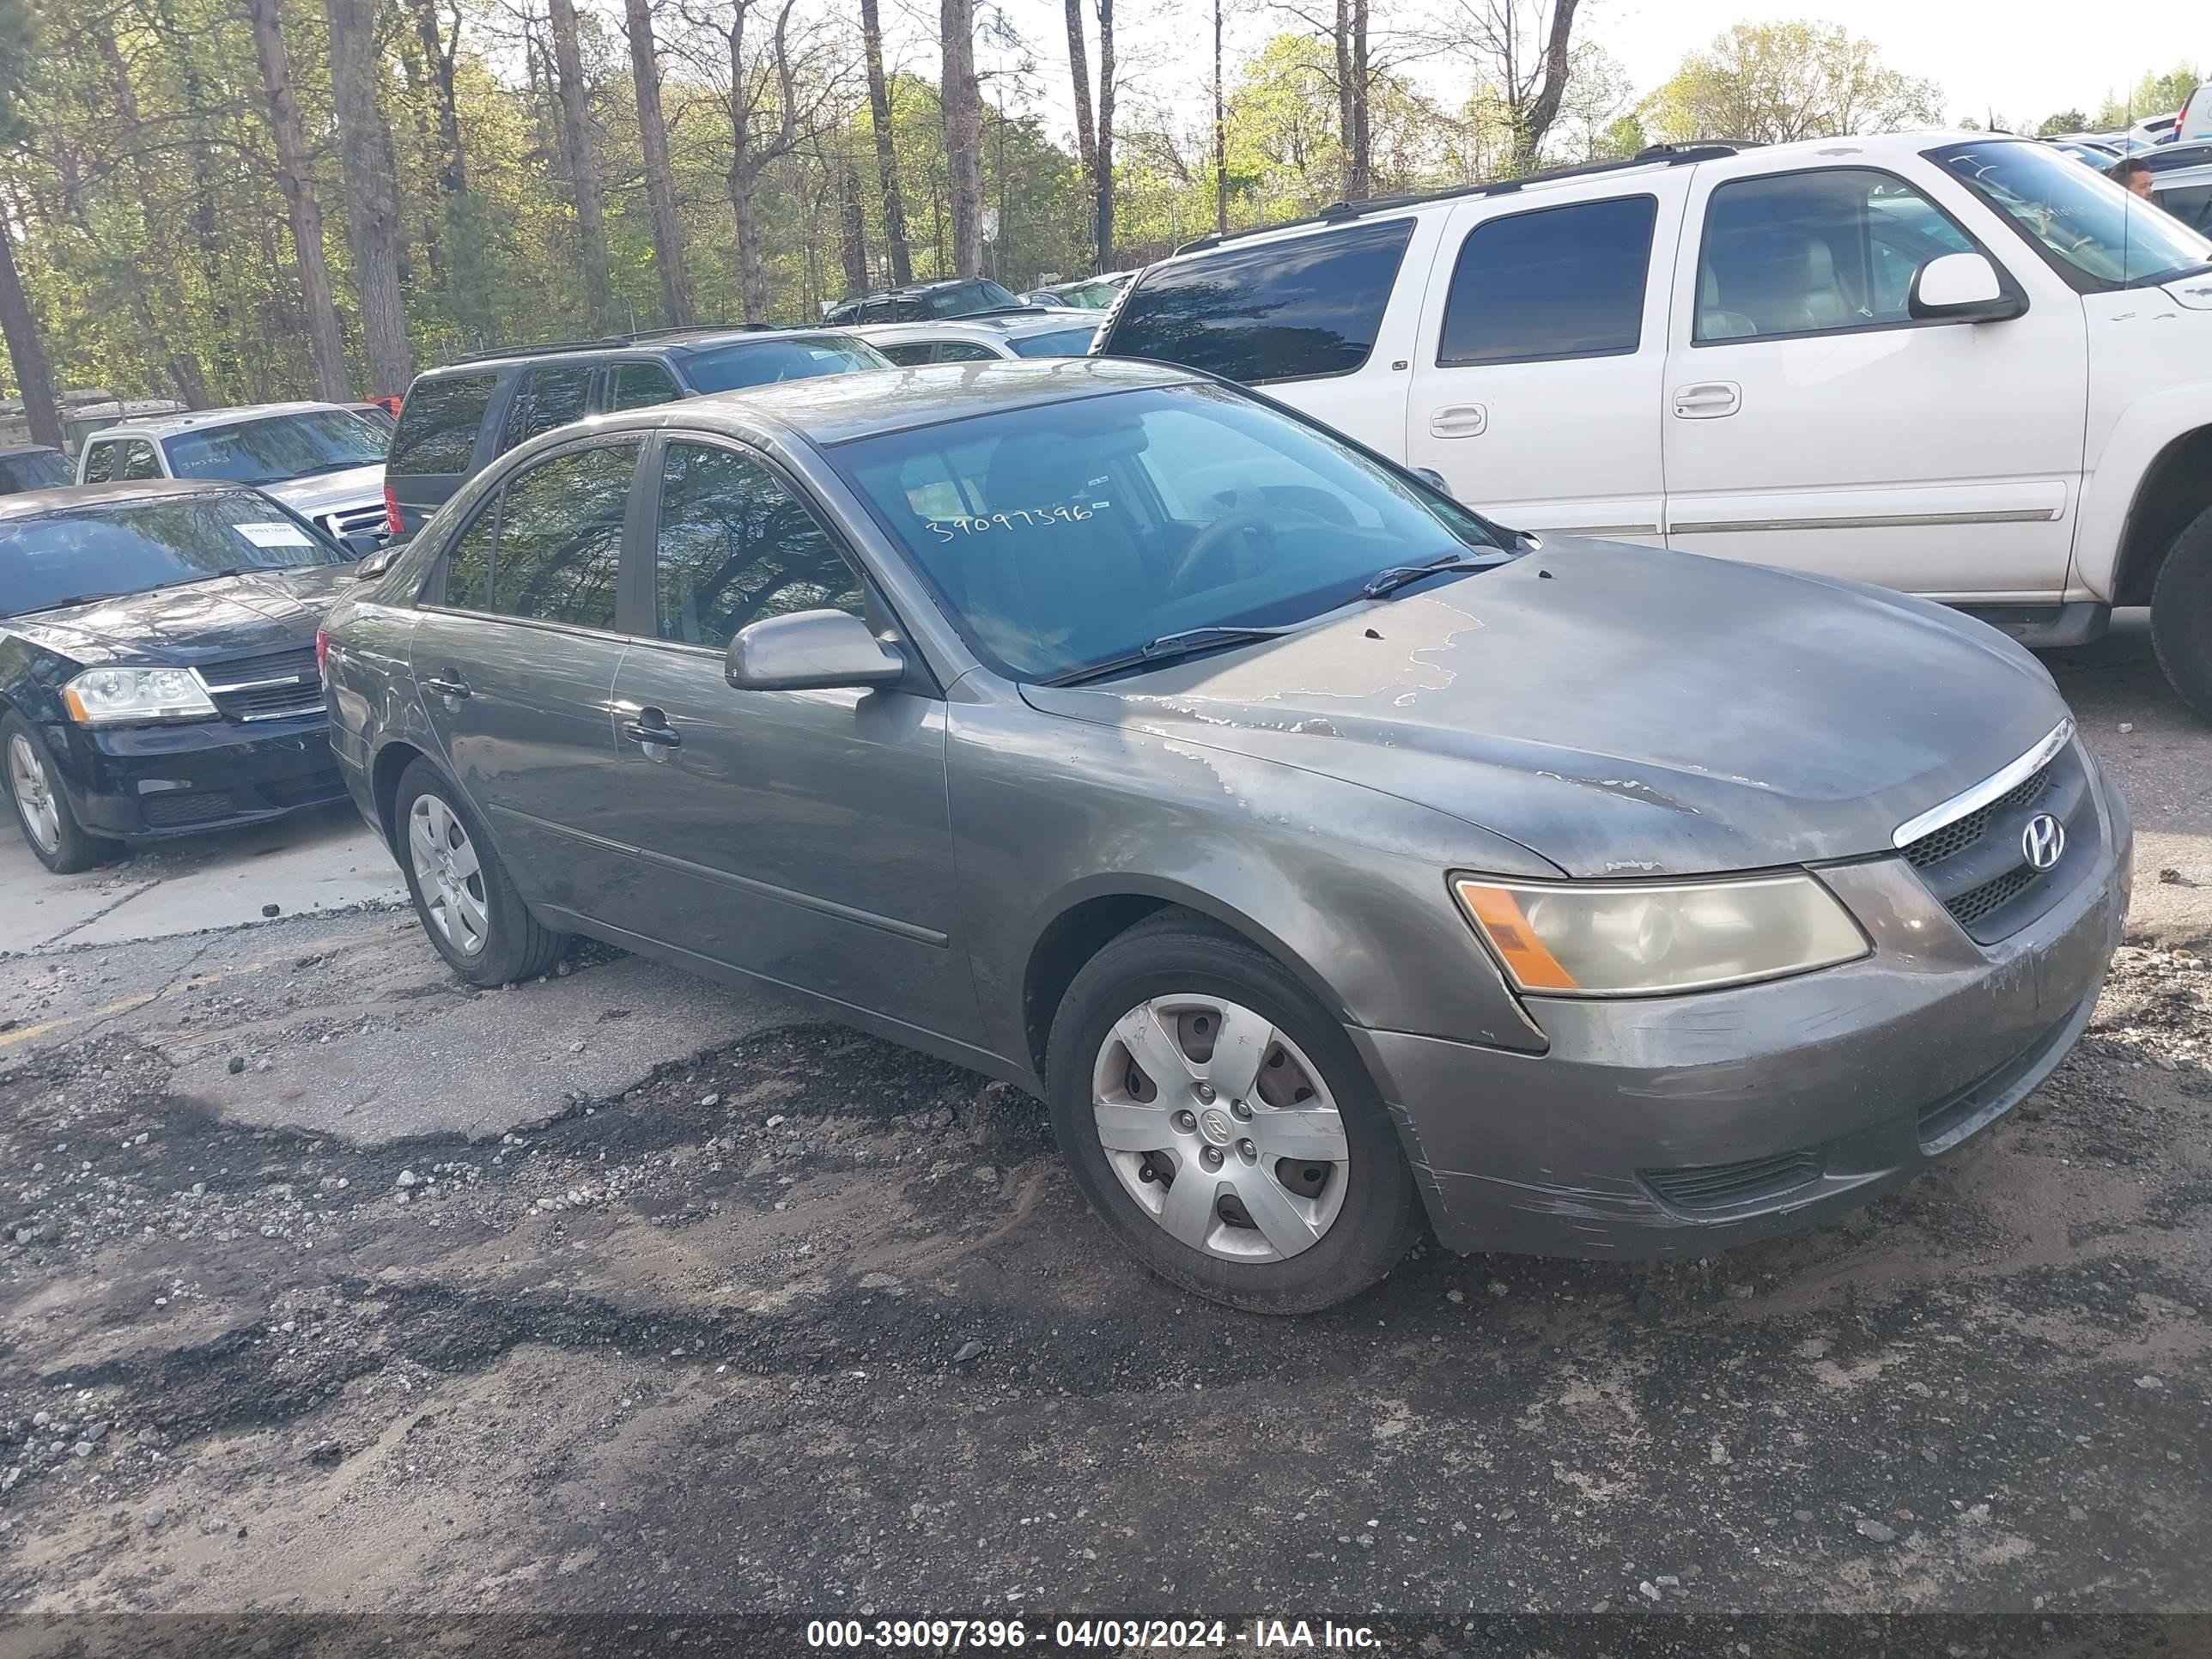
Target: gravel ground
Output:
[{"x": 773, "y": 1320}]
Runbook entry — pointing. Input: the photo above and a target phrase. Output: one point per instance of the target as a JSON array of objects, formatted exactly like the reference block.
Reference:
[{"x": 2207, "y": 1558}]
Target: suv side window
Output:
[
  {"x": 1563, "y": 282},
  {"x": 1285, "y": 311},
  {"x": 438, "y": 426},
  {"x": 1814, "y": 251},
  {"x": 634, "y": 386},
  {"x": 963, "y": 351},
  {"x": 100, "y": 462},
  {"x": 548, "y": 544},
  {"x": 735, "y": 545},
  {"x": 546, "y": 398},
  {"x": 907, "y": 353}
]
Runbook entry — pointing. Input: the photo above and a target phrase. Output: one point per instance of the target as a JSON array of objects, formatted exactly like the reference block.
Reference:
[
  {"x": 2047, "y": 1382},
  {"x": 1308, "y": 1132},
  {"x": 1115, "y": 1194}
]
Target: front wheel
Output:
[
  {"x": 1220, "y": 1121},
  {"x": 42, "y": 810},
  {"x": 2181, "y": 614},
  {"x": 462, "y": 891}
]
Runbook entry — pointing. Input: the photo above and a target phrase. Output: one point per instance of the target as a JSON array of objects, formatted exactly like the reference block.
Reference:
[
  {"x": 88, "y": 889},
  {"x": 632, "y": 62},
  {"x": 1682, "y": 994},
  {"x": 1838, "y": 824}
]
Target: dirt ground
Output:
[{"x": 615, "y": 1293}]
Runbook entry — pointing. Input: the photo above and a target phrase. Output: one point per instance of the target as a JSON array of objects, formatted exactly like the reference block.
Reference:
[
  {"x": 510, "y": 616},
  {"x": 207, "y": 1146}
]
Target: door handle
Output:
[
  {"x": 1458, "y": 421},
  {"x": 652, "y": 730},
  {"x": 449, "y": 684},
  {"x": 1708, "y": 400}
]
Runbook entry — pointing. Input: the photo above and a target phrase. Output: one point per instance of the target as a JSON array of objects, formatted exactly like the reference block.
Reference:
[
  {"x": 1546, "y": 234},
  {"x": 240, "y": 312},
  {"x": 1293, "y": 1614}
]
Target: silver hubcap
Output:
[
  {"x": 34, "y": 796},
  {"x": 446, "y": 874},
  {"x": 1220, "y": 1128}
]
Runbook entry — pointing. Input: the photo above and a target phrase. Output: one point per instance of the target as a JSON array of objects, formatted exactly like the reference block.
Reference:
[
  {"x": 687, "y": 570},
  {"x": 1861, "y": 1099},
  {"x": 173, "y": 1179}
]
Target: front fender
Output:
[{"x": 2142, "y": 433}]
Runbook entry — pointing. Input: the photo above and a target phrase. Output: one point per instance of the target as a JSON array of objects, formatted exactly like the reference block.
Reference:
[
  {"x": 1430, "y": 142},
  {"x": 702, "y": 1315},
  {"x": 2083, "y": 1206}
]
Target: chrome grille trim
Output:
[{"x": 1989, "y": 789}]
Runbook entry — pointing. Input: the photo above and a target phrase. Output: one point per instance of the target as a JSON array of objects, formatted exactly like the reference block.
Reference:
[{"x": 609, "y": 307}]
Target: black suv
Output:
[
  {"x": 928, "y": 302},
  {"x": 457, "y": 418}
]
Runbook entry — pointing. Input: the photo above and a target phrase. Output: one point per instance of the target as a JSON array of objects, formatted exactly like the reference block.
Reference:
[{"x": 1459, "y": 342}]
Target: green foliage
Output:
[
  {"x": 2066, "y": 120},
  {"x": 1772, "y": 82},
  {"x": 2155, "y": 94}
]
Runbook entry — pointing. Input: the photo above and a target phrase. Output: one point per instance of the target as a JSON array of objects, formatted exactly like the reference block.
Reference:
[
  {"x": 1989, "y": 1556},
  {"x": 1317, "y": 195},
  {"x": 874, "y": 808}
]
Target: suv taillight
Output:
[{"x": 392, "y": 522}]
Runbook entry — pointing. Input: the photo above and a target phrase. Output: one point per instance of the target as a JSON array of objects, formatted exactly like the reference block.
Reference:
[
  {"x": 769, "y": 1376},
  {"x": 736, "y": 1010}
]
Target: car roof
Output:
[
  {"x": 1002, "y": 326},
  {"x": 201, "y": 420},
  {"x": 669, "y": 341},
  {"x": 7, "y": 451},
  {"x": 32, "y": 502}
]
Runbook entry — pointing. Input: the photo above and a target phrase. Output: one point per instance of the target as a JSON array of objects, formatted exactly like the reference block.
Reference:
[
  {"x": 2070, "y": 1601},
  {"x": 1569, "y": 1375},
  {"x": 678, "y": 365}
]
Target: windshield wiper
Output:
[
  {"x": 1168, "y": 648},
  {"x": 1387, "y": 582}
]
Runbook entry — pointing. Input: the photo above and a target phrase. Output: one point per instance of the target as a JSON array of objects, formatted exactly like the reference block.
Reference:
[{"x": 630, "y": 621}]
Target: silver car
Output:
[{"x": 1332, "y": 860}]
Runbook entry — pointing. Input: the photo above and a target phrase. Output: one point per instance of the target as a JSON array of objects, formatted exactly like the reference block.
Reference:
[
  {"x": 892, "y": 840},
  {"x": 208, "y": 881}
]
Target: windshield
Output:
[
  {"x": 1061, "y": 342},
  {"x": 134, "y": 546},
  {"x": 278, "y": 447},
  {"x": 1068, "y": 536},
  {"x": 34, "y": 469},
  {"x": 2088, "y": 225},
  {"x": 763, "y": 362},
  {"x": 967, "y": 299}
]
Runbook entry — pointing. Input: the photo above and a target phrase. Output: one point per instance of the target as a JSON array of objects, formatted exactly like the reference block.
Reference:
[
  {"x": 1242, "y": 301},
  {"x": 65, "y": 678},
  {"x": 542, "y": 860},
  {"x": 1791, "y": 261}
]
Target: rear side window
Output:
[
  {"x": 633, "y": 386},
  {"x": 547, "y": 398},
  {"x": 438, "y": 425},
  {"x": 1563, "y": 282},
  {"x": 139, "y": 462},
  {"x": 907, "y": 353},
  {"x": 1285, "y": 311},
  {"x": 99, "y": 464}
]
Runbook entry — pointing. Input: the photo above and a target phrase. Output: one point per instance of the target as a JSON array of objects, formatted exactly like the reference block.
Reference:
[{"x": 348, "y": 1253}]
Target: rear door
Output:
[
  {"x": 514, "y": 656},
  {"x": 1542, "y": 353},
  {"x": 435, "y": 449}
]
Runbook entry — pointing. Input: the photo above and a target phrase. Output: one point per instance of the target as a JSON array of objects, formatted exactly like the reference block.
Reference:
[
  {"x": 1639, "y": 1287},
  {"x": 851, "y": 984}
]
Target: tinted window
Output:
[
  {"x": 1284, "y": 311},
  {"x": 2191, "y": 204},
  {"x": 964, "y": 298},
  {"x": 438, "y": 425},
  {"x": 134, "y": 546},
  {"x": 1061, "y": 342},
  {"x": 34, "y": 469},
  {"x": 278, "y": 447},
  {"x": 545, "y": 399},
  {"x": 1814, "y": 252},
  {"x": 907, "y": 353},
  {"x": 764, "y": 362},
  {"x": 468, "y": 562},
  {"x": 100, "y": 462},
  {"x": 963, "y": 351},
  {"x": 1567, "y": 282},
  {"x": 633, "y": 385},
  {"x": 139, "y": 462},
  {"x": 736, "y": 545},
  {"x": 559, "y": 544}
]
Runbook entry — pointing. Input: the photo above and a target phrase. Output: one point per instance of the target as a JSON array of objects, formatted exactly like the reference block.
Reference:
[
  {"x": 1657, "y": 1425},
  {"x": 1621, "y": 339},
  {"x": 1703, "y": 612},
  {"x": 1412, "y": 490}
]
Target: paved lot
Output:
[{"x": 428, "y": 1307}]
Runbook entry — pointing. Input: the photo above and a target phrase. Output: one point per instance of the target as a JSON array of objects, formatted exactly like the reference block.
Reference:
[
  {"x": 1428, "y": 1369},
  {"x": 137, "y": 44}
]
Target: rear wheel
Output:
[
  {"x": 462, "y": 891},
  {"x": 42, "y": 810},
  {"x": 2181, "y": 614},
  {"x": 1220, "y": 1121}
]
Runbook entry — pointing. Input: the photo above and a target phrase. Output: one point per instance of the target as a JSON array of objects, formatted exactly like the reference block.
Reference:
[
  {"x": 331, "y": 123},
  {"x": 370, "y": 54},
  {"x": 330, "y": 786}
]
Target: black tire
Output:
[
  {"x": 1174, "y": 953},
  {"x": 74, "y": 847},
  {"x": 2181, "y": 614},
  {"x": 514, "y": 945}
]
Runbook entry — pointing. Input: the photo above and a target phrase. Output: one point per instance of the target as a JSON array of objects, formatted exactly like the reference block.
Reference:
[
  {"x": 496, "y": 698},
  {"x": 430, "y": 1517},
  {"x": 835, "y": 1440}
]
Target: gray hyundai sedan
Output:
[{"x": 1332, "y": 860}]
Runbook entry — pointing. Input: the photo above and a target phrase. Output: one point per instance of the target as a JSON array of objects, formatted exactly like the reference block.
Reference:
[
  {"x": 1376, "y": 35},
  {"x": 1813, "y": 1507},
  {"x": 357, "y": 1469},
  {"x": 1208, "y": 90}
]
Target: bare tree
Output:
[
  {"x": 1078, "y": 72},
  {"x": 1220, "y": 134},
  {"x": 964, "y": 133},
  {"x": 1523, "y": 49},
  {"x": 27, "y": 350},
  {"x": 293, "y": 179},
  {"x": 372, "y": 193},
  {"x": 879, "y": 117},
  {"x": 1103, "y": 175},
  {"x": 581, "y": 156},
  {"x": 441, "y": 48},
  {"x": 659, "y": 181},
  {"x": 853, "y": 225}
]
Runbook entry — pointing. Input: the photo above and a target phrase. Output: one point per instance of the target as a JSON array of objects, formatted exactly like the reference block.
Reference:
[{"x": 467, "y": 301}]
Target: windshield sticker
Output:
[
  {"x": 952, "y": 529},
  {"x": 274, "y": 535}
]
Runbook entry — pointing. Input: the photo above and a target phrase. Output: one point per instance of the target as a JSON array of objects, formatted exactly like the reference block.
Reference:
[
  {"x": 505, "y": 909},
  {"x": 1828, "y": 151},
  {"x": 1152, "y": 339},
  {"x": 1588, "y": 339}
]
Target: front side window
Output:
[
  {"x": 279, "y": 446},
  {"x": 638, "y": 385},
  {"x": 2091, "y": 231},
  {"x": 1065, "y": 536},
  {"x": 100, "y": 462},
  {"x": 547, "y": 398},
  {"x": 2191, "y": 204},
  {"x": 1283, "y": 311},
  {"x": 736, "y": 545},
  {"x": 766, "y": 361},
  {"x": 548, "y": 544},
  {"x": 1563, "y": 282},
  {"x": 438, "y": 426},
  {"x": 1815, "y": 252},
  {"x": 111, "y": 547}
]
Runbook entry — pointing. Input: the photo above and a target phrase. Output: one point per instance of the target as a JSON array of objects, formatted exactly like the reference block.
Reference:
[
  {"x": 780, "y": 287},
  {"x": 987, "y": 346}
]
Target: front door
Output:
[
  {"x": 1537, "y": 377},
  {"x": 800, "y": 835},
  {"x": 515, "y": 661},
  {"x": 1813, "y": 422}
]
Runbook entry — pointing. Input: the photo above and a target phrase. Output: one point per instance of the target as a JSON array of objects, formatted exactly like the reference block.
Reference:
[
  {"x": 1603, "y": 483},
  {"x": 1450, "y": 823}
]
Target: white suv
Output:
[{"x": 1965, "y": 367}]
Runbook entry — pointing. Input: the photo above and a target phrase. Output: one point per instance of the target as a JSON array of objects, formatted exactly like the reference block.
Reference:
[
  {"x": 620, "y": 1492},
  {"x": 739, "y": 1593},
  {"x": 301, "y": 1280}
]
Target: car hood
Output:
[
  {"x": 326, "y": 491},
  {"x": 265, "y": 611},
  {"x": 1623, "y": 711}
]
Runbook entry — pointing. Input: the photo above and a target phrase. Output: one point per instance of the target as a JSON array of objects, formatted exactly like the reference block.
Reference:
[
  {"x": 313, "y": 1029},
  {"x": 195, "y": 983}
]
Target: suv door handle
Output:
[
  {"x": 451, "y": 685},
  {"x": 1708, "y": 400},
  {"x": 655, "y": 733},
  {"x": 1458, "y": 421}
]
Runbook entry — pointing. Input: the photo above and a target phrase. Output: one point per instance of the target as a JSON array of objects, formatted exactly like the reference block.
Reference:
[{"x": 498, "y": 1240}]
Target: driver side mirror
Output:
[
  {"x": 374, "y": 560},
  {"x": 363, "y": 546},
  {"x": 1961, "y": 287},
  {"x": 809, "y": 651}
]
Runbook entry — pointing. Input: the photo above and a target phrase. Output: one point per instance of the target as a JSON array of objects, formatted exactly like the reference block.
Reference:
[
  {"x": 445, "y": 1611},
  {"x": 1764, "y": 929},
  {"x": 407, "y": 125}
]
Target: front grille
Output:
[
  {"x": 1977, "y": 865},
  {"x": 281, "y": 685},
  {"x": 367, "y": 519},
  {"x": 1975, "y": 902},
  {"x": 188, "y": 806},
  {"x": 1725, "y": 1186},
  {"x": 1939, "y": 844}
]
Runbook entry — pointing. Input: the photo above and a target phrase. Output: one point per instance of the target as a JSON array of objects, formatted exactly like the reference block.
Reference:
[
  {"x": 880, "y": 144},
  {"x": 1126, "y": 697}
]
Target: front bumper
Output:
[
  {"x": 1668, "y": 1128},
  {"x": 149, "y": 781}
]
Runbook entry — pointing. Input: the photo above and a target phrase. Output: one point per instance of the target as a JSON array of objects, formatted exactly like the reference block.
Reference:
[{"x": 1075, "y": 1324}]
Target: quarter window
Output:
[
  {"x": 737, "y": 545},
  {"x": 1565, "y": 282},
  {"x": 636, "y": 386},
  {"x": 547, "y": 398},
  {"x": 1293, "y": 310},
  {"x": 438, "y": 426}
]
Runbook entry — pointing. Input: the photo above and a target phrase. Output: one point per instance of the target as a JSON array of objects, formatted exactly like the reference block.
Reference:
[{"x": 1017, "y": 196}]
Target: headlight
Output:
[
  {"x": 109, "y": 697},
  {"x": 1612, "y": 939}
]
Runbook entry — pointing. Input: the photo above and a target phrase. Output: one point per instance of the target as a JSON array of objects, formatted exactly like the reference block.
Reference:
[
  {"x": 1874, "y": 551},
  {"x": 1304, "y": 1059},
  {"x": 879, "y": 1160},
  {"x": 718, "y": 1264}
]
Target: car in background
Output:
[
  {"x": 2186, "y": 192},
  {"x": 458, "y": 418},
  {"x": 922, "y": 302},
  {"x": 985, "y": 339},
  {"x": 322, "y": 460},
  {"x": 380, "y": 411},
  {"x": 1088, "y": 294},
  {"x": 33, "y": 466},
  {"x": 84, "y": 411},
  {"x": 2089, "y": 151},
  {"x": 157, "y": 662}
]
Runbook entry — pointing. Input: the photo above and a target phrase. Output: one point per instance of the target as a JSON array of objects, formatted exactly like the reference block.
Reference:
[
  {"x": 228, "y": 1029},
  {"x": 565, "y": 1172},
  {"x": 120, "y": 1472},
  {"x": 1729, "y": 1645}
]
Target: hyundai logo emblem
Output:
[{"x": 2042, "y": 842}]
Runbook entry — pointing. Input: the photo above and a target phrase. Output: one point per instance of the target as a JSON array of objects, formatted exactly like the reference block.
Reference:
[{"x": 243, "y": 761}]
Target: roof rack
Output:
[
  {"x": 609, "y": 342},
  {"x": 1338, "y": 213}
]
